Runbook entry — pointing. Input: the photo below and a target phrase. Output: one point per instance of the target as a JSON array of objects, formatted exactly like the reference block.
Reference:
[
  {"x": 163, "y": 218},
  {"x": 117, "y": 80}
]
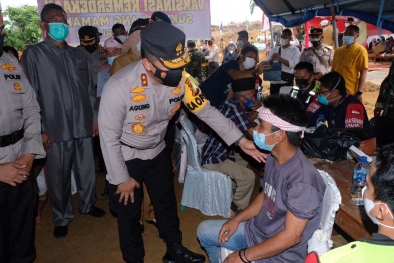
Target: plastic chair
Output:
[
  {"x": 321, "y": 240},
  {"x": 208, "y": 191}
]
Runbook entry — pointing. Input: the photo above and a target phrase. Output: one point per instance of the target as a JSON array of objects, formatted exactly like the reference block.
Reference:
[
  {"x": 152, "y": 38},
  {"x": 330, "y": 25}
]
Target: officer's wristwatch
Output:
[
  {"x": 236, "y": 143},
  {"x": 254, "y": 72}
]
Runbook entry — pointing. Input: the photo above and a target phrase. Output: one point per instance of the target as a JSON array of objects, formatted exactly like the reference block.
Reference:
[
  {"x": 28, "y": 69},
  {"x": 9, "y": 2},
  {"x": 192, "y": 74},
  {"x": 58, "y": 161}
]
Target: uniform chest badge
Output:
[
  {"x": 144, "y": 80},
  {"x": 17, "y": 86},
  {"x": 8, "y": 66},
  {"x": 176, "y": 91},
  {"x": 138, "y": 98},
  {"x": 138, "y": 128},
  {"x": 140, "y": 117}
]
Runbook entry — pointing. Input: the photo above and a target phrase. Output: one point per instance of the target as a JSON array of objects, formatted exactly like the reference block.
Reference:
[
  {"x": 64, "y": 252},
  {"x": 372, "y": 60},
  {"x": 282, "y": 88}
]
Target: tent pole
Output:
[
  {"x": 382, "y": 2},
  {"x": 334, "y": 24},
  {"x": 272, "y": 35},
  {"x": 306, "y": 30}
]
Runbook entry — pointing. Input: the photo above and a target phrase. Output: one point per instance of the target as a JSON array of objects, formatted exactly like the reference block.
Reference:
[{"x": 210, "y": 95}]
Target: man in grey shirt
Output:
[{"x": 60, "y": 76}]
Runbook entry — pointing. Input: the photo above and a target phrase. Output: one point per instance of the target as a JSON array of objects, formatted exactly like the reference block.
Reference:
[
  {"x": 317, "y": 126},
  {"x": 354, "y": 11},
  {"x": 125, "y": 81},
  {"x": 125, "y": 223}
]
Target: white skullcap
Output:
[
  {"x": 112, "y": 43},
  {"x": 324, "y": 23}
]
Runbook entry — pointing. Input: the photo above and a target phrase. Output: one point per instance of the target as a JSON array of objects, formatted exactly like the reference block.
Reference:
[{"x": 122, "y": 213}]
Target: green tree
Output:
[{"x": 21, "y": 26}]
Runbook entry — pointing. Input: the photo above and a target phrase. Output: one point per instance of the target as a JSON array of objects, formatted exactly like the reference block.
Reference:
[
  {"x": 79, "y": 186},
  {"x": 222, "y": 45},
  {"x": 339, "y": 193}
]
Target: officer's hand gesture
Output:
[
  {"x": 95, "y": 129},
  {"x": 249, "y": 148},
  {"x": 13, "y": 173},
  {"x": 46, "y": 140},
  {"x": 126, "y": 190},
  {"x": 26, "y": 160}
]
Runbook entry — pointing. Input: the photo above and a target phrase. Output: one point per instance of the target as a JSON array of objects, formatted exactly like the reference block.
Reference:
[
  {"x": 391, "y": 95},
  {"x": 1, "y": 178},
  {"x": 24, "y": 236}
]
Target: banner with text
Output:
[{"x": 191, "y": 16}]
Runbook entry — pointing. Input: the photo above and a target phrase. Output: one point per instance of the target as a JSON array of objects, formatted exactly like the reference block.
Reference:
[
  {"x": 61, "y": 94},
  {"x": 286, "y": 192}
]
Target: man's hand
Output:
[
  {"x": 95, "y": 129},
  {"x": 359, "y": 97},
  {"x": 13, "y": 173},
  {"x": 377, "y": 112},
  {"x": 126, "y": 190},
  {"x": 261, "y": 67},
  {"x": 227, "y": 230},
  {"x": 46, "y": 140},
  {"x": 26, "y": 160},
  {"x": 233, "y": 258},
  {"x": 249, "y": 148},
  {"x": 257, "y": 105},
  {"x": 275, "y": 56}
]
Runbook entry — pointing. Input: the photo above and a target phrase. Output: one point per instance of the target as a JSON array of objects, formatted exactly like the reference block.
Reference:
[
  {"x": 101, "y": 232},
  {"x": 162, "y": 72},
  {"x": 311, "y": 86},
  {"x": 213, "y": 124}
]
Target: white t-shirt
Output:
[{"x": 292, "y": 54}]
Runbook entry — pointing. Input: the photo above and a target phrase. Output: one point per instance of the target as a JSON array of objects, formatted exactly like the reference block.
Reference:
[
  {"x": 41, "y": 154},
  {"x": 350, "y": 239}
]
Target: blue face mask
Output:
[
  {"x": 259, "y": 140},
  {"x": 111, "y": 60},
  {"x": 248, "y": 103},
  {"x": 323, "y": 99},
  {"x": 58, "y": 31},
  {"x": 348, "y": 40}
]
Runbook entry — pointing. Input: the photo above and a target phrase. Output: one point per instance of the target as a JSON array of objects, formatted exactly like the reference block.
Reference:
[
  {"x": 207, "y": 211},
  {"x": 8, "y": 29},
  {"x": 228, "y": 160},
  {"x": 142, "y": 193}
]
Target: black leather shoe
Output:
[
  {"x": 96, "y": 212},
  {"x": 60, "y": 232},
  {"x": 177, "y": 253}
]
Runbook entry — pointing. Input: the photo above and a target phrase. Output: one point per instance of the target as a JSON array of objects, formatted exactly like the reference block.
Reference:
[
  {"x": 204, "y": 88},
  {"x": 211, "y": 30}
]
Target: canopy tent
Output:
[{"x": 292, "y": 13}]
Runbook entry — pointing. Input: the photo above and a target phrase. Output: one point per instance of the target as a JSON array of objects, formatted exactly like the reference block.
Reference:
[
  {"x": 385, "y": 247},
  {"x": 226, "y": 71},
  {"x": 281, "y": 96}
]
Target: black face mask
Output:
[
  {"x": 1, "y": 44},
  {"x": 316, "y": 43},
  {"x": 90, "y": 49},
  {"x": 302, "y": 83},
  {"x": 169, "y": 78}
]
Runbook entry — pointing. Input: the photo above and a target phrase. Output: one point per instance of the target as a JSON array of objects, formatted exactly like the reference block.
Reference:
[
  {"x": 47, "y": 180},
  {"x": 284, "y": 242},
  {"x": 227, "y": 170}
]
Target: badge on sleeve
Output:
[
  {"x": 144, "y": 80},
  {"x": 8, "y": 66},
  {"x": 138, "y": 128},
  {"x": 194, "y": 99}
]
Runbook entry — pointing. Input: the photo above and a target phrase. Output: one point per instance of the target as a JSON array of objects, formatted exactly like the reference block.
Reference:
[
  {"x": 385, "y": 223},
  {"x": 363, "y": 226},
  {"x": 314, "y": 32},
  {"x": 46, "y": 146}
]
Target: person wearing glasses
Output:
[{"x": 342, "y": 110}]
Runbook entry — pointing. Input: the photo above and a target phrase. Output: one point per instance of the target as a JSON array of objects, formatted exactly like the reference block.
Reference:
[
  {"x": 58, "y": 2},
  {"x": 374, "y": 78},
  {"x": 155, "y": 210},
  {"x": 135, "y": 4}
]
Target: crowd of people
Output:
[{"x": 63, "y": 107}]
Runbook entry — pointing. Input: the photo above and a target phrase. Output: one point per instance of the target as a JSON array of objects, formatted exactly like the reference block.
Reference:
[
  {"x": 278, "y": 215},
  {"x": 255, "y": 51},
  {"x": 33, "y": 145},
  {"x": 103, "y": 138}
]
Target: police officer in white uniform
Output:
[
  {"x": 20, "y": 144},
  {"x": 136, "y": 106},
  {"x": 319, "y": 55}
]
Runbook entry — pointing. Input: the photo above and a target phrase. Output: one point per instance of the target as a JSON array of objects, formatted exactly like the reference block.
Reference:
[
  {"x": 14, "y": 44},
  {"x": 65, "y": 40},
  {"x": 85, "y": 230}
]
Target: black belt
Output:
[{"x": 10, "y": 139}]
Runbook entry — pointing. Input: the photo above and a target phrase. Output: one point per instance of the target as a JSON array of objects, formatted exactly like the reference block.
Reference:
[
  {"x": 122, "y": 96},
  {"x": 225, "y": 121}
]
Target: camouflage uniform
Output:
[{"x": 194, "y": 67}]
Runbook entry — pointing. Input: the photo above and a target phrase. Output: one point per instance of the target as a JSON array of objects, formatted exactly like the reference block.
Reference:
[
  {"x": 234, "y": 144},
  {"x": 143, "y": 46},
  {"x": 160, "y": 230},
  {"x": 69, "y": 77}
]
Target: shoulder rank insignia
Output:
[
  {"x": 144, "y": 80},
  {"x": 140, "y": 117},
  {"x": 176, "y": 91},
  {"x": 17, "y": 86},
  {"x": 138, "y": 128},
  {"x": 138, "y": 98},
  {"x": 8, "y": 66}
]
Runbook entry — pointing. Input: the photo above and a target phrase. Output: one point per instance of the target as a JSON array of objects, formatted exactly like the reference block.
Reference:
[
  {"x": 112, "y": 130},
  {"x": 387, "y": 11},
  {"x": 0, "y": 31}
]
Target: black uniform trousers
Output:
[
  {"x": 159, "y": 180},
  {"x": 18, "y": 209}
]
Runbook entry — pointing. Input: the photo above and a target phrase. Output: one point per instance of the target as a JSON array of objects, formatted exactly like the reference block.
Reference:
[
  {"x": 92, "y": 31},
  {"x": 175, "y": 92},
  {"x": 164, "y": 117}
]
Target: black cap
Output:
[
  {"x": 88, "y": 34},
  {"x": 249, "y": 49},
  {"x": 138, "y": 24},
  {"x": 316, "y": 31},
  {"x": 349, "y": 19},
  {"x": 166, "y": 43},
  {"x": 243, "y": 84},
  {"x": 160, "y": 16},
  {"x": 191, "y": 43}
]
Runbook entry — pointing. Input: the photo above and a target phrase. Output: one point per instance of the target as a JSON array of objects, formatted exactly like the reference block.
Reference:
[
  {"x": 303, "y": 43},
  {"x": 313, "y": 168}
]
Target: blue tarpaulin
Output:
[{"x": 292, "y": 13}]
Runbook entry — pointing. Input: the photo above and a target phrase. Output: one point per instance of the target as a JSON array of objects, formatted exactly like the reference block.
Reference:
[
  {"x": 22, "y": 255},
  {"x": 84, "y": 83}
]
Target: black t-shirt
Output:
[
  {"x": 305, "y": 97},
  {"x": 216, "y": 87}
]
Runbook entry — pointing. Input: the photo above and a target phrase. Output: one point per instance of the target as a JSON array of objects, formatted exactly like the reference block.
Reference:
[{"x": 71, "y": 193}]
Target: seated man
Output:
[
  {"x": 217, "y": 86},
  {"x": 342, "y": 110},
  {"x": 217, "y": 156},
  {"x": 379, "y": 205},
  {"x": 284, "y": 216},
  {"x": 305, "y": 81}
]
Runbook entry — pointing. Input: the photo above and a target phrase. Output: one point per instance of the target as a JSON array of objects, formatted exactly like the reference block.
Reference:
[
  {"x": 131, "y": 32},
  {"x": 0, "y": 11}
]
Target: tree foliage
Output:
[{"x": 21, "y": 26}]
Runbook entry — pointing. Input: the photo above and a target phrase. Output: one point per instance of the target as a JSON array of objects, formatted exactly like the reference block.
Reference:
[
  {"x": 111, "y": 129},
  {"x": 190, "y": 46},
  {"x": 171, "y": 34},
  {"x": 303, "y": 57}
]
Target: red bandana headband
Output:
[{"x": 266, "y": 115}]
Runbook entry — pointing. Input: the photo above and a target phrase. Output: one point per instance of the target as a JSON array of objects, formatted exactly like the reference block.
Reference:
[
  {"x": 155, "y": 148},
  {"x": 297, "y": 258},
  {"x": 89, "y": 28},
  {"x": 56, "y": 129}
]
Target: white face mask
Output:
[
  {"x": 249, "y": 63},
  {"x": 346, "y": 24},
  {"x": 284, "y": 42},
  {"x": 122, "y": 38},
  {"x": 369, "y": 205},
  {"x": 231, "y": 51},
  {"x": 315, "y": 39}
]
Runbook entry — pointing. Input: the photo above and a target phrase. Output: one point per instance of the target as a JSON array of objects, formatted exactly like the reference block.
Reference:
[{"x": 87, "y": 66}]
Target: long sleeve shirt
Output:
[
  {"x": 65, "y": 90},
  {"x": 18, "y": 109},
  {"x": 213, "y": 55},
  {"x": 134, "y": 115}
]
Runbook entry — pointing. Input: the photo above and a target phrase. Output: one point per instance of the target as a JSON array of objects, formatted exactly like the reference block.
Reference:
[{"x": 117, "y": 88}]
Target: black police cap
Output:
[
  {"x": 86, "y": 33},
  {"x": 316, "y": 31},
  {"x": 160, "y": 16},
  {"x": 166, "y": 43},
  {"x": 138, "y": 24}
]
